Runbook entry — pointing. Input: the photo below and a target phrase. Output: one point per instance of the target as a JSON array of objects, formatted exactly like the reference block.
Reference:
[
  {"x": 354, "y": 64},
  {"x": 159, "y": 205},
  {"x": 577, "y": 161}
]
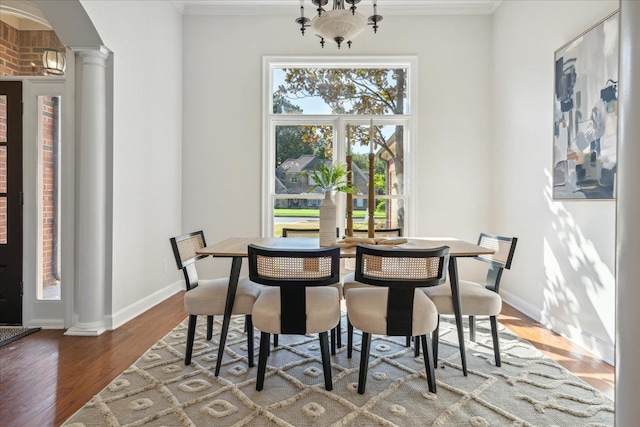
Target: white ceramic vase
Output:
[{"x": 327, "y": 221}]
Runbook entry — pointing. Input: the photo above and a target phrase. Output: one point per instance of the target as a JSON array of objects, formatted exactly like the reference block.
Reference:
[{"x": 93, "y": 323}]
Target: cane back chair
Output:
[
  {"x": 478, "y": 299},
  {"x": 297, "y": 300},
  {"x": 208, "y": 297},
  {"x": 394, "y": 305}
]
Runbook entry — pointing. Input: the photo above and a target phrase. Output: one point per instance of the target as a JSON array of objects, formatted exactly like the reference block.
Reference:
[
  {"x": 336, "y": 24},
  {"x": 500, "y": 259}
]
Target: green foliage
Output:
[{"x": 331, "y": 178}]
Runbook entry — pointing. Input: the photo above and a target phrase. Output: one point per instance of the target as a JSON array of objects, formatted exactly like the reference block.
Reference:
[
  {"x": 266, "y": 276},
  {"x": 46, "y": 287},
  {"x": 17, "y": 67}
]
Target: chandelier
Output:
[{"x": 338, "y": 24}]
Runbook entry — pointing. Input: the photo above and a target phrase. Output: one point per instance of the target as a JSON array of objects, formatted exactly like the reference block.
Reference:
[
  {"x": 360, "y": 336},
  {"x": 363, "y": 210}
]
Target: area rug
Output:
[
  {"x": 9, "y": 334},
  {"x": 527, "y": 390}
]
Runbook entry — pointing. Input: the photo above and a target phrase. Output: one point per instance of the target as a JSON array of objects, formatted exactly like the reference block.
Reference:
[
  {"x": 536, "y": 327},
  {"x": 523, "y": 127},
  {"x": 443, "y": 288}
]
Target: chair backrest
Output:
[
  {"x": 401, "y": 270},
  {"x": 380, "y": 232},
  {"x": 504, "y": 248},
  {"x": 293, "y": 271},
  {"x": 184, "y": 250},
  {"x": 304, "y": 232}
]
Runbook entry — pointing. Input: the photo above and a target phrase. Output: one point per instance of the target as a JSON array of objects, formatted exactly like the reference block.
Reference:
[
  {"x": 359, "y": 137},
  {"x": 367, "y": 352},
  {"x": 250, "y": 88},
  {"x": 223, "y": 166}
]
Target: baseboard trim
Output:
[
  {"x": 45, "y": 324},
  {"x": 600, "y": 349},
  {"x": 122, "y": 316}
]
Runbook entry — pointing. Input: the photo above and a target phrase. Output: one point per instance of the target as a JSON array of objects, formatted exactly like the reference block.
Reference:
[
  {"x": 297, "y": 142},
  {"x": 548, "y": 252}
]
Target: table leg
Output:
[
  {"x": 228, "y": 308},
  {"x": 455, "y": 294}
]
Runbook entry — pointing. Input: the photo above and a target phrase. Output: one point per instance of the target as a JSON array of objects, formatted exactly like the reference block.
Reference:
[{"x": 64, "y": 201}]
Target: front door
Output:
[{"x": 11, "y": 202}]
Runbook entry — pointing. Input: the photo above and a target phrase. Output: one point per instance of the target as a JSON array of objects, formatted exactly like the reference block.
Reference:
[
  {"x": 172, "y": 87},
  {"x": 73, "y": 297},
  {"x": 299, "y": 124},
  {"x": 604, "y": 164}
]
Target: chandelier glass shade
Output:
[
  {"x": 341, "y": 24},
  {"x": 54, "y": 62}
]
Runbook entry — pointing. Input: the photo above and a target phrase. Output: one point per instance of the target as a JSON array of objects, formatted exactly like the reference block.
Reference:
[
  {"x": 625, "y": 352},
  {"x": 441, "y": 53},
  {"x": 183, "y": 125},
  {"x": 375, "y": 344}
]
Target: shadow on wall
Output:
[{"x": 579, "y": 286}]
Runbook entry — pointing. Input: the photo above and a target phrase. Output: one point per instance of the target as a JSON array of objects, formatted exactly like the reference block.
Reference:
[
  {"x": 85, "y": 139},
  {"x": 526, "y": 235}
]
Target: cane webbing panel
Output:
[
  {"x": 288, "y": 268},
  {"x": 501, "y": 247},
  {"x": 187, "y": 248},
  {"x": 400, "y": 268}
]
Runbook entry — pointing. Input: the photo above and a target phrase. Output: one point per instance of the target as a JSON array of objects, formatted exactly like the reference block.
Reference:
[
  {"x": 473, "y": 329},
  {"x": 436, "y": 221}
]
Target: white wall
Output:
[
  {"x": 146, "y": 40},
  {"x": 563, "y": 271},
  {"x": 223, "y": 116}
]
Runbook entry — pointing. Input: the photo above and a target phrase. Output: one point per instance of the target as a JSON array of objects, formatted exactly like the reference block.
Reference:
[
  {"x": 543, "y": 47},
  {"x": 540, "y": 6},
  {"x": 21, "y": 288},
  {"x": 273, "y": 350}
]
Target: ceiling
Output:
[{"x": 289, "y": 7}]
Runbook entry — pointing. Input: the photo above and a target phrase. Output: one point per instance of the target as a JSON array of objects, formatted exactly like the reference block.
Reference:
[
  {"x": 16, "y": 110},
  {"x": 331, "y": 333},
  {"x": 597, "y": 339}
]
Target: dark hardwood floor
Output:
[{"x": 46, "y": 377}]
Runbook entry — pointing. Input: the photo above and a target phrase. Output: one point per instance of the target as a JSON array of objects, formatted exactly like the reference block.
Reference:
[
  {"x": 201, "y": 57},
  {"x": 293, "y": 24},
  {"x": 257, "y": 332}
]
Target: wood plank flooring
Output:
[{"x": 47, "y": 376}]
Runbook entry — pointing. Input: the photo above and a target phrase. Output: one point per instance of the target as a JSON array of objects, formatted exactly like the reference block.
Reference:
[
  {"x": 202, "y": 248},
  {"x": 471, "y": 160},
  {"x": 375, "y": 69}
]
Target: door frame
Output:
[{"x": 47, "y": 313}]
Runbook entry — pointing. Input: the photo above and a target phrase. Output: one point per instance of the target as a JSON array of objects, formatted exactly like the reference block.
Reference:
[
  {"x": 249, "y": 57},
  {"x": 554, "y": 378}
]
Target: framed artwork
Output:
[{"x": 586, "y": 114}]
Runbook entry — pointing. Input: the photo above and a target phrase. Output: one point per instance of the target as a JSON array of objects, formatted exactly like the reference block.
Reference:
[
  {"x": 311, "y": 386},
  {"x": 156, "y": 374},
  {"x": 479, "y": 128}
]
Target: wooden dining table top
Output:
[{"x": 237, "y": 246}]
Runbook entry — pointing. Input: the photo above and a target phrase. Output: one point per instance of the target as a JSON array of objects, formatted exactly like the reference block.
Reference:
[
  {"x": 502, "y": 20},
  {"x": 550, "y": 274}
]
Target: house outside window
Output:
[{"x": 307, "y": 124}]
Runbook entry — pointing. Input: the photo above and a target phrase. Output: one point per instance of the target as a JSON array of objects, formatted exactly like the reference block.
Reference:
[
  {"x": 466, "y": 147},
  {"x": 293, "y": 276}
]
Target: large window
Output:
[{"x": 322, "y": 111}]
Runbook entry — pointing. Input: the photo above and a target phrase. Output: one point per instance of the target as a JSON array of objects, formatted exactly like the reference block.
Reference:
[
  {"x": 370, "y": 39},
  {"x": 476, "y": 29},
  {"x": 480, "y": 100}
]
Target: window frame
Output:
[{"x": 271, "y": 120}]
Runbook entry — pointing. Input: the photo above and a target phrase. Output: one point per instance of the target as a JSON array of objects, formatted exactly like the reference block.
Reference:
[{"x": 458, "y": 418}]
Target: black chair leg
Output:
[
  {"x": 265, "y": 339},
  {"x": 364, "y": 362},
  {"x": 435, "y": 337},
  {"x": 408, "y": 343},
  {"x": 275, "y": 340},
  {"x": 339, "y": 333},
  {"x": 333, "y": 341},
  {"x": 416, "y": 347},
  {"x": 349, "y": 338},
  {"x": 209, "y": 328},
  {"x": 427, "y": 351},
  {"x": 248, "y": 324},
  {"x": 472, "y": 329},
  {"x": 494, "y": 336},
  {"x": 326, "y": 362},
  {"x": 191, "y": 333}
]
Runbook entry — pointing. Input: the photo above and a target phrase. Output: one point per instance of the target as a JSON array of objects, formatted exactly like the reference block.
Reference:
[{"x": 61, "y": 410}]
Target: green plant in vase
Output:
[{"x": 330, "y": 179}]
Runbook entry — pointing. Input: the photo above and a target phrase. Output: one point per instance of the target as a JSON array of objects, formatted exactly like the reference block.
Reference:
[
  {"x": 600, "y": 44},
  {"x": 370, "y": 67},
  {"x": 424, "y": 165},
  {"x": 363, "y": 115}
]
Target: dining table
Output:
[{"x": 236, "y": 249}]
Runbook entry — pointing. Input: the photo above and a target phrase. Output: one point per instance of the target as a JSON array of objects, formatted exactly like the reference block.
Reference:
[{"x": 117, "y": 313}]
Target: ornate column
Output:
[
  {"x": 91, "y": 193},
  {"x": 628, "y": 226}
]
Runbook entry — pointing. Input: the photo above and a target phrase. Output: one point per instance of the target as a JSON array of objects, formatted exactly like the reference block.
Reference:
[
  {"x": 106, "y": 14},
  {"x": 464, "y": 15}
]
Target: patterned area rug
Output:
[
  {"x": 9, "y": 334},
  {"x": 528, "y": 390}
]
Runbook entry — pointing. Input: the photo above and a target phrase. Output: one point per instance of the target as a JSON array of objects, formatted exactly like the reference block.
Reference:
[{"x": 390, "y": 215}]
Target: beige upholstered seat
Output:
[
  {"x": 322, "y": 312},
  {"x": 367, "y": 308},
  {"x": 393, "y": 304},
  {"x": 475, "y": 300},
  {"x": 299, "y": 299},
  {"x": 478, "y": 299},
  {"x": 208, "y": 297}
]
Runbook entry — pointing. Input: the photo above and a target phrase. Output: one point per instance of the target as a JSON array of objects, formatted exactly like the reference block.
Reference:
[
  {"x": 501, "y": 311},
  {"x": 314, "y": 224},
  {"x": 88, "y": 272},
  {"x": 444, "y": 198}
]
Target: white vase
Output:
[{"x": 327, "y": 221}]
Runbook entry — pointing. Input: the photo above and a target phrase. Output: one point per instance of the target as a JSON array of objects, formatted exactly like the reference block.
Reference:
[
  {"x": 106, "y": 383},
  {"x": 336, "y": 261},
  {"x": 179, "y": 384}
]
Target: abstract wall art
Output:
[{"x": 586, "y": 114}]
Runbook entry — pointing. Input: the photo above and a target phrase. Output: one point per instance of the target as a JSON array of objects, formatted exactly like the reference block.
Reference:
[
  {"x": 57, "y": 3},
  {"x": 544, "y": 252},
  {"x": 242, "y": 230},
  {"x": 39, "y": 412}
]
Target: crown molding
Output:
[{"x": 290, "y": 7}]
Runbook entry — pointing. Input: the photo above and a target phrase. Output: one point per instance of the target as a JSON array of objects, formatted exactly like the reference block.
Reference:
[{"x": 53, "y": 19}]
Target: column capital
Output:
[{"x": 96, "y": 52}]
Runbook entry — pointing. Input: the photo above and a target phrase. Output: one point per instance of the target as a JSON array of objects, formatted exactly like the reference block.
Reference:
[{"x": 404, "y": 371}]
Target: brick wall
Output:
[
  {"x": 48, "y": 205},
  {"x": 21, "y": 51}
]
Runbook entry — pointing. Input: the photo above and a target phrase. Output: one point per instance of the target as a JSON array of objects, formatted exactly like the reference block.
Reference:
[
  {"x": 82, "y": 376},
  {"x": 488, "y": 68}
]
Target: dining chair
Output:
[
  {"x": 297, "y": 299},
  {"x": 478, "y": 299},
  {"x": 379, "y": 232},
  {"x": 394, "y": 305},
  {"x": 336, "y": 333},
  {"x": 304, "y": 232},
  {"x": 349, "y": 281},
  {"x": 208, "y": 297}
]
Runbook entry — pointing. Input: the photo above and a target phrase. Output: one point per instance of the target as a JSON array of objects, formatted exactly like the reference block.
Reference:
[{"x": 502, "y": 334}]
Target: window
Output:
[
  {"x": 49, "y": 123},
  {"x": 321, "y": 111}
]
